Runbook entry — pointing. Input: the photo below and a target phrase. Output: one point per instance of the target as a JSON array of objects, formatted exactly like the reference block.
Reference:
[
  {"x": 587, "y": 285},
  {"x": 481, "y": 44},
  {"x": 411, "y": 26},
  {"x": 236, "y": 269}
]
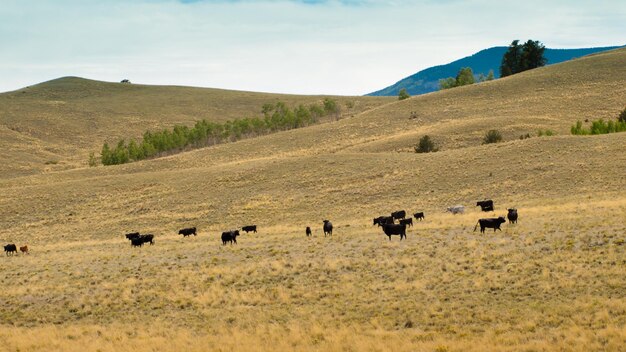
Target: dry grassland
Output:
[{"x": 553, "y": 282}]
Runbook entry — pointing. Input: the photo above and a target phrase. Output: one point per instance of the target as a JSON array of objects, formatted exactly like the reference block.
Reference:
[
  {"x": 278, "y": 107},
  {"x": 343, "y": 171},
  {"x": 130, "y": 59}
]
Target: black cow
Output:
[
  {"x": 512, "y": 216},
  {"x": 408, "y": 221},
  {"x": 10, "y": 249},
  {"x": 400, "y": 214},
  {"x": 328, "y": 228},
  {"x": 492, "y": 223},
  {"x": 486, "y": 205},
  {"x": 147, "y": 238},
  {"x": 308, "y": 232},
  {"x": 132, "y": 235},
  {"x": 188, "y": 232},
  {"x": 395, "y": 229},
  {"x": 230, "y": 236},
  {"x": 383, "y": 220},
  {"x": 250, "y": 228},
  {"x": 419, "y": 216},
  {"x": 136, "y": 242}
]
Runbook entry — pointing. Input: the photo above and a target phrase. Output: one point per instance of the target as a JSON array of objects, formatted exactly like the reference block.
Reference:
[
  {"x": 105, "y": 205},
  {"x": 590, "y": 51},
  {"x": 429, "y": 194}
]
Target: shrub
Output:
[
  {"x": 599, "y": 127},
  {"x": 492, "y": 136},
  {"x": 93, "y": 161},
  {"x": 426, "y": 145},
  {"x": 524, "y": 136},
  {"x": 403, "y": 94}
]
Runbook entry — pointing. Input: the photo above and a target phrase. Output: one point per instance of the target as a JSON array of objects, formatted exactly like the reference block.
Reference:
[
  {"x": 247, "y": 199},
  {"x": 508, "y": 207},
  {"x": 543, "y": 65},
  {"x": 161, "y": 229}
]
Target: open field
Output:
[{"x": 553, "y": 282}]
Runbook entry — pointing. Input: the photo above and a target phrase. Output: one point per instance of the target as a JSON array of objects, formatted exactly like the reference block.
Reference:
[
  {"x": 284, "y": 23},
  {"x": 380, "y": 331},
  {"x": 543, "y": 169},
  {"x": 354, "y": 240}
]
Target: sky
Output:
[{"x": 339, "y": 47}]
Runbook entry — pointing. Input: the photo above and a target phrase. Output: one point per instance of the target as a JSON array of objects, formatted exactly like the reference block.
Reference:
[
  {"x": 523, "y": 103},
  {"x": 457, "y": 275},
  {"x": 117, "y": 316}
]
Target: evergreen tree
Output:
[
  {"x": 511, "y": 59},
  {"x": 532, "y": 55}
]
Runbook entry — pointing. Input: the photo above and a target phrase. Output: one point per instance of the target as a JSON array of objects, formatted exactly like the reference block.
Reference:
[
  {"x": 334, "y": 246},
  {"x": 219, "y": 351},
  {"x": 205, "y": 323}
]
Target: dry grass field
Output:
[{"x": 555, "y": 281}]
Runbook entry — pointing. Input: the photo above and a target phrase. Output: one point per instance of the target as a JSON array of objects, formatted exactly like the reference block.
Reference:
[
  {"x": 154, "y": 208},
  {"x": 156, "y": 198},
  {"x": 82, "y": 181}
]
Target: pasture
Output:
[{"x": 552, "y": 282}]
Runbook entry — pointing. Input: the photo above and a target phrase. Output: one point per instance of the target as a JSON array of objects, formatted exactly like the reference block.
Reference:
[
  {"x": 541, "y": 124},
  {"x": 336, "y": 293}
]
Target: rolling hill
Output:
[
  {"x": 427, "y": 81},
  {"x": 554, "y": 281}
]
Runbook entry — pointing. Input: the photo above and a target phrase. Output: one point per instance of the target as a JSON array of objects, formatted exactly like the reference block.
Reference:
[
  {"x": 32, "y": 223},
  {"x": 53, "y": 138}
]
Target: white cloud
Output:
[{"x": 330, "y": 47}]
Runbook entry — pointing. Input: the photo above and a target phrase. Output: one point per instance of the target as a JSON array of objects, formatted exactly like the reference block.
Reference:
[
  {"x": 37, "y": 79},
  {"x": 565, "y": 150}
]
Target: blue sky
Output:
[{"x": 347, "y": 47}]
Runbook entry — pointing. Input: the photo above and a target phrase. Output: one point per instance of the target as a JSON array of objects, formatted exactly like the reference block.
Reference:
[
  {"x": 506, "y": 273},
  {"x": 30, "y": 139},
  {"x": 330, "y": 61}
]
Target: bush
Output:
[
  {"x": 524, "y": 136},
  {"x": 426, "y": 145},
  {"x": 492, "y": 136},
  {"x": 599, "y": 127},
  {"x": 93, "y": 161},
  {"x": 403, "y": 94}
]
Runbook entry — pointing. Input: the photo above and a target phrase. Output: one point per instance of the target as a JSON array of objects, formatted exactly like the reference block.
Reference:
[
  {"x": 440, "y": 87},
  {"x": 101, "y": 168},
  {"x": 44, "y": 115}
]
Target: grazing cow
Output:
[
  {"x": 419, "y": 216},
  {"x": 408, "y": 221},
  {"x": 250, "y": 228},
  {"x": 308, "y": 232},
  {"x": 132, "y": 235},
  {"x": 147, "y": 238},
  {"x": 187, "y": 232},
  {"x": 486, "y": 205},
  {"x": 383, "y": 220},
  {"x": 492, "y": 223},
  {"x": 395, "y": 229},
  {"x": 457, "y": 209},
  {"x": 512, "y": 216},
  {"x": 10, "y": 249},
  {"x": 328, "y": 228},
  {"x": 230, "y": 236},
  {"x": 136, "y": 242},
  {"x": 24, "y": 249},
  {"x": 400, "y": 214}
]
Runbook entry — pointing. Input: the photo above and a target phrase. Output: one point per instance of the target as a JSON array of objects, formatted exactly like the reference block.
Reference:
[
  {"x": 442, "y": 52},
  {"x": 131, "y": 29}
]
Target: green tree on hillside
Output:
[
  {"x": 464, "y": 77},
  {"x": 426, "y": 145},
  {"x": 403, "y": 94},
  {"x": 523, "y": 57}
]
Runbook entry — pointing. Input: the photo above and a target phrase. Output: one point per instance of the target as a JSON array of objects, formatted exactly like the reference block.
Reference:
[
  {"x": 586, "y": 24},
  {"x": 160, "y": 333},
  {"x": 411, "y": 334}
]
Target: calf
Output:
[
  {"x": 395, "y": 229},
  {"x": 400, "y": 214},
  {"x": 24, "y": 249},
  {"x": 250, "y": 228},
  {"x": 308, "y": 232},
  {"x": 229, "y": 236},
  {"x": 383, "y": 220},
  {"x": 485, "y": 205},
  {"x": 188, "y": 232},
  {"x": 10, "y": 249},
  {"x": 419, "y": 216},
  {"x": 492, "y": 223},
  {"x": 512, "y": 216},
  {"x": 408, "y": 222}
]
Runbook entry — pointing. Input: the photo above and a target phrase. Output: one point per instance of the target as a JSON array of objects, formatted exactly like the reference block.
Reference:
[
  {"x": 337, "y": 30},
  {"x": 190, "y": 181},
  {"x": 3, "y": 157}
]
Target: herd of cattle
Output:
[{"x": 387, "y": 223}]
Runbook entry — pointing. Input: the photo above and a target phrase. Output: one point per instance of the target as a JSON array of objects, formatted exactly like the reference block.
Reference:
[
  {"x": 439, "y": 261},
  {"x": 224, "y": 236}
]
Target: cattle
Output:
[
  {"x": 395, "y": 229},
  {"x": 308, "y": 232},
  {"x": 492, "y": 223},
  {"x": 24, "y": 249},
  {"x": 230, "y": 236},
  {"x": 250, "y": 228},
  {"x": 383, "y": 220},
  {"x": 130, "y": 236},
  {"x": 400, "y": 214},
  {"x": 136, "y": 242},
  {"x": 147, "y": 238},
  {"x": 457, "y": 209},
  {"x": 485, "y": 205},
  {"x": 408, "y": 222},
  {"x": 188, "y": 232},
  {"x": 10, "y": 249},
  {"x": 512, "y": 216},
  {"x": 419, "y": 216},
  {"x": 328, "y": 228}
]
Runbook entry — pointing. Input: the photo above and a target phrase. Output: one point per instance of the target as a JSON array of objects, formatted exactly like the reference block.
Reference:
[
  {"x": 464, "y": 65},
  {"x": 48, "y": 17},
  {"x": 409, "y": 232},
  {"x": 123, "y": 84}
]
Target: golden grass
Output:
[{"x": 552, "y": 282}]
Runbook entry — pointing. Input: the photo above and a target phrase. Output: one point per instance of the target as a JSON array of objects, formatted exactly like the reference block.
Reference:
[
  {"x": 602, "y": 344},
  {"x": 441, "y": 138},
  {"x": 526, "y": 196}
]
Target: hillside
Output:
[
  {"x": 54, "y": 125},
  {"x": 552, "y": 282},
  {"x": 426, "y": 81}
]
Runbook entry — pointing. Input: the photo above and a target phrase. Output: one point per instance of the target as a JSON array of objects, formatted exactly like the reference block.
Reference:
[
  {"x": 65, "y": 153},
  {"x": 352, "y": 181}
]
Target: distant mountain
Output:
[{"x": 427, "y": 80}]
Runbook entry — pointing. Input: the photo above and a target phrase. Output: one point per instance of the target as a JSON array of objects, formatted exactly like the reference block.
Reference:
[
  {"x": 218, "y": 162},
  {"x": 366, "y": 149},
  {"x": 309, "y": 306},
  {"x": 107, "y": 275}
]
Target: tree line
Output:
[{"x": 276, "y": 117}]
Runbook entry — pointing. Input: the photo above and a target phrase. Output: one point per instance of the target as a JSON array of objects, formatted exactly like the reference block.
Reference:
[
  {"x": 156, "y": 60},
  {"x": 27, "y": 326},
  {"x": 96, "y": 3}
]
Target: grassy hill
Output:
[
  {"x": 54, "y": 125},
  {"x": 552, "y": 282},
  {"x": 427, "y": 81}
]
